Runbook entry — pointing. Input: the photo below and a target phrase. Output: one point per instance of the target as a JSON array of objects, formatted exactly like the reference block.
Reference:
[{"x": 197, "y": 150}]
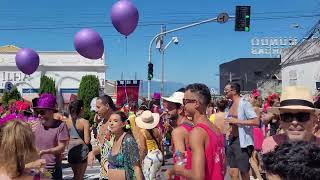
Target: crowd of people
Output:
[{"x": 238, "y": 135}]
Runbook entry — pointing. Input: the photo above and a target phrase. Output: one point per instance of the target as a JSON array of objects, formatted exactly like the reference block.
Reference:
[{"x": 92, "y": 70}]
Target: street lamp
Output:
[
  {"x": 162, "y": 50},
  {"x": 222, "y": 18}
]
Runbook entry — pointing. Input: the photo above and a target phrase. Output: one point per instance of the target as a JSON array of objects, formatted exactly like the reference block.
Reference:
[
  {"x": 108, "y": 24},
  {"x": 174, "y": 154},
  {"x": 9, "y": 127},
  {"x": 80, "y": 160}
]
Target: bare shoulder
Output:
[
  {"x": 271, "y": 142},
  {"x": 84, "y": 121},
  {"x": 197, "y": 132},
  {"x": 156, "y": 132},
  {"x": 197, "y": 137},
  {"x": 178, "y": 130}
]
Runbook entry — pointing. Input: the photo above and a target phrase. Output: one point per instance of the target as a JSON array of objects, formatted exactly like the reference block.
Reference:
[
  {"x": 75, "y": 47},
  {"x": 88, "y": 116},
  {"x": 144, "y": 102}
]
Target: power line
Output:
[
  {"x": 141, "y": 24},
  {"x": 309, "y": 34}
]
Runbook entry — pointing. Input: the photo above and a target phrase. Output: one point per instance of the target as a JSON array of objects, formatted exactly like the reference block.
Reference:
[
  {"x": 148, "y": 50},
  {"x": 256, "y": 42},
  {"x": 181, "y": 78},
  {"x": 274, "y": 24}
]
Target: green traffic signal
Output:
[
  {"x": 150, "y": 76},
  {"x": 150, "y": 71},
  {"x": 242, "y": 21}
]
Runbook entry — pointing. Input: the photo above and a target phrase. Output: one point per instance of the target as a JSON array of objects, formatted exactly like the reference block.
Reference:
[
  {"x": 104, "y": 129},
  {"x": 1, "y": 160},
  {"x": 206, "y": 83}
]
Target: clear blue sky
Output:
[{"x": 50, "y": 25}]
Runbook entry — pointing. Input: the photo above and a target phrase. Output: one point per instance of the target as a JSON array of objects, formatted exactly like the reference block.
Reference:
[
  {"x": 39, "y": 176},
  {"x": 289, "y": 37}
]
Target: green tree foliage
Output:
[
  {"x": 13, "y": 95},
  {"x": 88, "y": 89},
  {"x": 47, "y": 85}
]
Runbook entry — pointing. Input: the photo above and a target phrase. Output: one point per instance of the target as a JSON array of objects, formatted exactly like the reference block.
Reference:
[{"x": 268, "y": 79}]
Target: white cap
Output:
[
  {"x": 176, "y": 97},
  {"x": 93, "y": 104}
]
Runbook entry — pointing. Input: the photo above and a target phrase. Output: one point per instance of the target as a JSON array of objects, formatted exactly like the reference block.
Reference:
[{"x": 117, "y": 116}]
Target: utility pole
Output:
[{"x": 163, "y": 29}]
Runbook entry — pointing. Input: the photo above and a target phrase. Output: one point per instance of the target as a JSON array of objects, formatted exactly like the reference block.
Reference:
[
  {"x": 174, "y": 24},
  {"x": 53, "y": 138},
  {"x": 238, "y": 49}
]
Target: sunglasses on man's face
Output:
[
  {"x": 41, "y": 112},
  {"x": 300, "y": 117},
  {"x": 187, "y": 101}
]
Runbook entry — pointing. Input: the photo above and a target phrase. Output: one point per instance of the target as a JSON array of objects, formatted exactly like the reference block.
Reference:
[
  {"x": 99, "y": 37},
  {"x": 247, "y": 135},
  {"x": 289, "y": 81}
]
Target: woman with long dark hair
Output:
[
  {"x": 123, "y": 157},
  {"x": 79, "y": 130}
]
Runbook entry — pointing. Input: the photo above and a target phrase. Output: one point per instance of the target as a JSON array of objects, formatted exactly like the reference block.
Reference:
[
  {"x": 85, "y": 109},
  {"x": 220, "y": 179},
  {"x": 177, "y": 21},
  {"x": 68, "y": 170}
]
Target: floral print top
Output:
[
  {"x": 127, "y": 157},
  {"x": 105, "y": 148}
]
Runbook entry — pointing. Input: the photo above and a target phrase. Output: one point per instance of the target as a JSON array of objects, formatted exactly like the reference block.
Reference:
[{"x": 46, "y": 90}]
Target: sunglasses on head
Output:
[{"x": 300, "y": 117}]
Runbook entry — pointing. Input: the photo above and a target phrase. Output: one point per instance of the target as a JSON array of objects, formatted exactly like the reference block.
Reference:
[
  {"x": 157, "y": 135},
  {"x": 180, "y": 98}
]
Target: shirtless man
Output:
[{"x": 241, "y": 117}]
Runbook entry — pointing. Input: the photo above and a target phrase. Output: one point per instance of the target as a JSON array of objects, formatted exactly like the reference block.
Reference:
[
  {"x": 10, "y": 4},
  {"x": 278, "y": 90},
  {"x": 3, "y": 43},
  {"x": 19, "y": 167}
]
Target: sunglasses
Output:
[
  {"x": 227, "y": 90},
  {"x": 300, "y": 117},
  {"x": 187, "y": 101},
  {"x": 41, "y": 112}
]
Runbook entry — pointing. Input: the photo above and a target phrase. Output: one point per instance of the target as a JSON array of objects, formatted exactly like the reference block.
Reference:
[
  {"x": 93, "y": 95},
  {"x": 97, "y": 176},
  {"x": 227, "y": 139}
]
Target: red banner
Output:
[{"x": 127, "y": 92}]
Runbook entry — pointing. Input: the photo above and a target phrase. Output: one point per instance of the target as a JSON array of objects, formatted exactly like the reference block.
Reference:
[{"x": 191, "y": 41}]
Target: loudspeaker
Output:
[{"x": 318, "y": 85}]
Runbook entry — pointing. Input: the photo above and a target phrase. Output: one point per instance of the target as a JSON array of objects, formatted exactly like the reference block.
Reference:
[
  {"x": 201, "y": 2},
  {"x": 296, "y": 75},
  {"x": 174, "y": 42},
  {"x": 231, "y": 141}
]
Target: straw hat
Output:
[
  {"x": 295, "y": 98},
  {"x": 148, "y": 120}
]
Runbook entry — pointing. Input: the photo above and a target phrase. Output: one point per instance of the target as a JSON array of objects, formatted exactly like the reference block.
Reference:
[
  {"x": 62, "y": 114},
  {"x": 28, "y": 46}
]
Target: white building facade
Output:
[
  {"x": 66, "y": 68},
  {"x": 301, "y": 65}
]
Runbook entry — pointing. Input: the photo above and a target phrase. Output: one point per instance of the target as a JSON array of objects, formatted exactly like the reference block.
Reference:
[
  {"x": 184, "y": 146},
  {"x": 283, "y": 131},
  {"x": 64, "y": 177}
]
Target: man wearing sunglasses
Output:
[
  {"x": 298, "y": 118},
  {"x": 241, "y": 117},
  {"x": 205, "y": 139},
  {"x": 51, "y": 135},
  {"x": 173, "y": 107}
]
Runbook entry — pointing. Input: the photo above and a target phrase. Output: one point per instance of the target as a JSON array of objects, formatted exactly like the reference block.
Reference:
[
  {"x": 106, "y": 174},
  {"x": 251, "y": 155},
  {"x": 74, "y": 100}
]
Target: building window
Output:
[{"x": 293, "y": 78}]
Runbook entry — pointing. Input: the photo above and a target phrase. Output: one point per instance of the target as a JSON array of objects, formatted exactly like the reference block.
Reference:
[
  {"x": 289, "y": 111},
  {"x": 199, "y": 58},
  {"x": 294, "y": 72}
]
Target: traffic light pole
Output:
[{"x": 216, "y": 19}]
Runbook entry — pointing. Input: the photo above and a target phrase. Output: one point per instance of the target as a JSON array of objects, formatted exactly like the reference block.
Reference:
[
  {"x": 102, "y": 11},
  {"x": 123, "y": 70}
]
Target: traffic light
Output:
[
  {"x": 242, "y": 22},
  {"x": 150, "y": 71}
]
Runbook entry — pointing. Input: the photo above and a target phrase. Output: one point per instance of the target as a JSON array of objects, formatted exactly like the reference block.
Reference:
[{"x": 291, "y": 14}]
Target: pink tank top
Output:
[
  {"x": 188, "y": 163},
  {"x": 258, "y": 138},
  {"x": 215, "y": 155}
]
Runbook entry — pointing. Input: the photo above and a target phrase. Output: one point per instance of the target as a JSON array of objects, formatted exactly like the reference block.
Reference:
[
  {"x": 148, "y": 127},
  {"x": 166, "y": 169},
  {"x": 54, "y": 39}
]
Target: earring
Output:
[{"x": 128, "y": 126}]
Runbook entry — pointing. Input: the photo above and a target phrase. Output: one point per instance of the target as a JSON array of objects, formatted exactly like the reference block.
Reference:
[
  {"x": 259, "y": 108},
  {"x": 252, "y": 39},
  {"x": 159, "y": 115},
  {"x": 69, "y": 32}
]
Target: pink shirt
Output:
[
  {"x": 49, "y": 138},
  {"x": 270, "y": 143},
  {"x": 215, "y": 155}
]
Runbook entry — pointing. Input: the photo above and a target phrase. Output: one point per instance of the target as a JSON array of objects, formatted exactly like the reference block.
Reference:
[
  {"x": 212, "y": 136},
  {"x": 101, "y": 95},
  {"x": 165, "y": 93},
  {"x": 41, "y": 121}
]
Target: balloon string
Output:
[{"x": 126, "y": 46}]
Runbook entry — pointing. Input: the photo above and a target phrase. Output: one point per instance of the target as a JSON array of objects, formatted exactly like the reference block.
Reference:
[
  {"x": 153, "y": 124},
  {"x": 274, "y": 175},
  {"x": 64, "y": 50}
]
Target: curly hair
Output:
[{"x": 294, "y": 161}]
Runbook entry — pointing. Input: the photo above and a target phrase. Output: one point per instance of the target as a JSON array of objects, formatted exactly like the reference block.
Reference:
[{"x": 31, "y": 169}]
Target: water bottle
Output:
[
  {"x": 180, "y": 158},
  {"x": 108, "y": 133}
]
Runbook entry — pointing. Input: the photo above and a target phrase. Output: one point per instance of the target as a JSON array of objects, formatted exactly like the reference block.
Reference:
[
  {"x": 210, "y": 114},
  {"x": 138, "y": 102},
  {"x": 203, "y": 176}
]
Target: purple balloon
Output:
[
  {"x": 124, "y": 17},
  {"x": 27, "y": 60},
  {"x": 89, "y": 44}
]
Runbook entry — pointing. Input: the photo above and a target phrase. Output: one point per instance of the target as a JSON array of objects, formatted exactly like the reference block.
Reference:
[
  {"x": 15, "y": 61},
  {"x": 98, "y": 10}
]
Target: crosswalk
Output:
[{"x": 92, "y": 172}]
